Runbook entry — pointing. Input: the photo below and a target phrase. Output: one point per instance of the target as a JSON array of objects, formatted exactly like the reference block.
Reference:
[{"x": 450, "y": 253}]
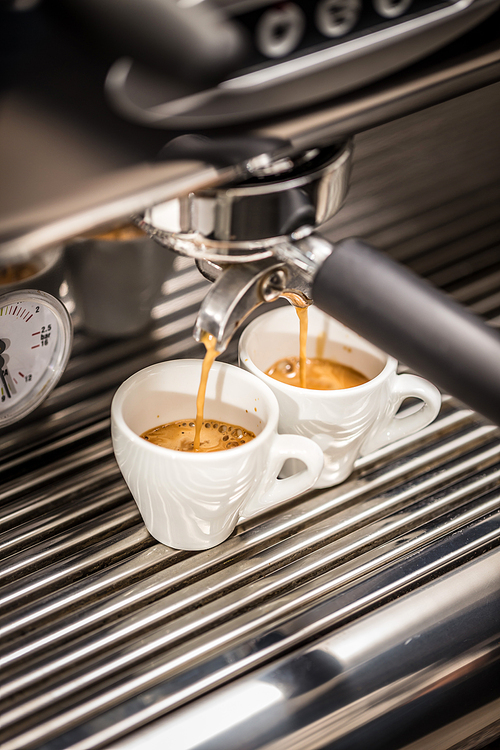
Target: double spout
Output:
[
  {"x": 239, "y": 288},
  {"x": 253, "y": 238}
]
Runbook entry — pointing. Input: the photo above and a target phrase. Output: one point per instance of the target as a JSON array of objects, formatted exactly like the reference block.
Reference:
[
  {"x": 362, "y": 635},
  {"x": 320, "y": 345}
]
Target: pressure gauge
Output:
[{"x": 35, "y": 344}]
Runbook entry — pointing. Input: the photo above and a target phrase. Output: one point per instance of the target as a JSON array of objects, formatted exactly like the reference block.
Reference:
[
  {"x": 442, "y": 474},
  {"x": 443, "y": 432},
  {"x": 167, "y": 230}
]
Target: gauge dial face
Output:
[{"x": 35, "y": 343}]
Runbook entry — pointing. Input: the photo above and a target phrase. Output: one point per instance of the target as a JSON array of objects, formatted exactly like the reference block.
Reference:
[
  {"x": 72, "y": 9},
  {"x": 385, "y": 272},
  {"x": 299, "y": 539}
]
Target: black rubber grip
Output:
[{"x": 414, "y": 322}]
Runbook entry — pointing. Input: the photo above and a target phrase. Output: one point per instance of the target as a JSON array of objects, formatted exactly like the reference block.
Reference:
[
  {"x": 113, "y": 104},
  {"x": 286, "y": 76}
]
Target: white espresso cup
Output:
[
  {"x": 345, "y": 423},
  {"x": 194, "y": 500}
]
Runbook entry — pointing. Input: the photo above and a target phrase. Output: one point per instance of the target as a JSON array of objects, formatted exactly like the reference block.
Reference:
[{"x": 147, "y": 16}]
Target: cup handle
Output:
[
  {"x": 284, "y": 447},
  {"x": 396, "y": 427}
]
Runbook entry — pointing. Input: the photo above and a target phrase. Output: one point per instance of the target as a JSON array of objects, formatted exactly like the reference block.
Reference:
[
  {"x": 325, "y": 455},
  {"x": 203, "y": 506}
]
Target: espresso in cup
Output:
[
  {"x": 194, "y": 499},
  {"x": 320, "y": 374},
  {"x": 345, "y": 422},
  {"x": 17, "y": 272},
  {"x": 115, "y": 279},
  {"x": 197, "y": 435},
  {"x": 317, "y": 373},
  {"x": 121, "y": 233},
  {"x": 215, "y": 436},
  {"x": 43, "y": 271}
]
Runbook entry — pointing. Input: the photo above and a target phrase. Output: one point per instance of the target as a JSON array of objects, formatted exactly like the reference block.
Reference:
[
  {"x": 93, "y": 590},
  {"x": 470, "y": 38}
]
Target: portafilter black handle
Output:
[{"x": 412, "y": 321}]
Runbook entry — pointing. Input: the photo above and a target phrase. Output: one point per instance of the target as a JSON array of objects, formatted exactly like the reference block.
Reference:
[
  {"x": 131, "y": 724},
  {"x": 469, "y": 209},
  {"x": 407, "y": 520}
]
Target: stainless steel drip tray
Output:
[
  {"x": 368, "y": 682},
  {"x": 365, "y": 615},
  {"x": 111, "y": 630}
]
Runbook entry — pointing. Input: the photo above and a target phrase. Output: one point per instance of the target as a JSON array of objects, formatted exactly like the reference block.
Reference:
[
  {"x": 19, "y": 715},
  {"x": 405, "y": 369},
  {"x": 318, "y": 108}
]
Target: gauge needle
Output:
[{"x": 2, "y": 374}]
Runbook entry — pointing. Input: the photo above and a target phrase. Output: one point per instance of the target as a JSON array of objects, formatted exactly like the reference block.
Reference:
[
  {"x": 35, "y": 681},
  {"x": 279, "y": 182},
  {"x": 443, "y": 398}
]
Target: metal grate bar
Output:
[{"x": 231, "y": 634}]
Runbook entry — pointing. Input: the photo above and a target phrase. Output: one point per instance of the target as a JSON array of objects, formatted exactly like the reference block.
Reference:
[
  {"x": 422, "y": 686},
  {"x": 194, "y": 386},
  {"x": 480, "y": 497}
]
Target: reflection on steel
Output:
[
  {"x": 245, "y": 222},
  {"x": 355, "y": 685},
  {"x": 406, "y": 93}
]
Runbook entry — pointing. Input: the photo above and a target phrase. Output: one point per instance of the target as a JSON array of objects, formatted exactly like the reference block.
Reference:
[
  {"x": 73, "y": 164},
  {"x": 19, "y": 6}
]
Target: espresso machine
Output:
[{"x": 362, "y": 615}]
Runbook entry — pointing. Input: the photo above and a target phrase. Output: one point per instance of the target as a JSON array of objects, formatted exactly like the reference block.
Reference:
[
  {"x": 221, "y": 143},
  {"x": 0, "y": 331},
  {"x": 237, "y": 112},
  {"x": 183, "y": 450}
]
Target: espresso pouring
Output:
[
  {"x": 316, "y": 373},
  {"x": 210, "y": 436},
  {"x": 214, "y": 436},
  {"x": 197, "y": 435}
]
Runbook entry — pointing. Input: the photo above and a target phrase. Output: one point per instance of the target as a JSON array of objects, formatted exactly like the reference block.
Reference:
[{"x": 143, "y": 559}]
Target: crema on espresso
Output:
[
  {"x": 214, "y": 436},
  {"x": 317, "y": 373},
  {"x": 199, "y": 435},
  {"x": 320, "y": 374}
]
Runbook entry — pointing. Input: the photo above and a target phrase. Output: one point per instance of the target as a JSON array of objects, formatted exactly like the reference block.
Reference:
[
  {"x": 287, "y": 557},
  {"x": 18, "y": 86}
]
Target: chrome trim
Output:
[
  {"x": 244, "y": 222},
  {"x": 339, "y": 688},
  {"x": 309, "y": 78},
  {"x": 301, "y": 66}
]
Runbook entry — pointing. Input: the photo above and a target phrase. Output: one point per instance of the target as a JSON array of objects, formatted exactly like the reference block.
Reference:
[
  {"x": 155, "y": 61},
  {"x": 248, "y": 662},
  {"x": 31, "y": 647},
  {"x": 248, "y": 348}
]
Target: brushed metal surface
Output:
[{"x": 318, "y": 74}]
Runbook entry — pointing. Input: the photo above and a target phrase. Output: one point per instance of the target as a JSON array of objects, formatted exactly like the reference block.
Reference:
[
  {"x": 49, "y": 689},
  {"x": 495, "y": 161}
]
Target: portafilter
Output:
[{"x": 256, "y": 240}]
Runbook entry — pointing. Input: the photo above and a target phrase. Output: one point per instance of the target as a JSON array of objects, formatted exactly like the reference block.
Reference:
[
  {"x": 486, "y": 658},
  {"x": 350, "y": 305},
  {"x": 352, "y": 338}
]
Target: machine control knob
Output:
[
  {"x": 336, "y": 18},
  {"x": 391, "y": 8},
  {"x": 279, "y": 30}
]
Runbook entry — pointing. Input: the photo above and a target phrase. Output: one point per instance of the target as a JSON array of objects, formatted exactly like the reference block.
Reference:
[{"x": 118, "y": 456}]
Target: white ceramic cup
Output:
[
  {"x": 344, "y": 423},
  {"x": 194, "y": 500}
]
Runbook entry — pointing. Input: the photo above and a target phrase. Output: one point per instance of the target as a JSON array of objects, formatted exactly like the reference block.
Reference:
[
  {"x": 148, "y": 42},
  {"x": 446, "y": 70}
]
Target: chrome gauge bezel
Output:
[{"x": 54, "y": 368}]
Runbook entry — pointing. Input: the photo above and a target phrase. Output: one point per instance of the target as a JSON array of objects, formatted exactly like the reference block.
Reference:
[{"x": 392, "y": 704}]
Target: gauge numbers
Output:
[{"x": 35, "y": 343}]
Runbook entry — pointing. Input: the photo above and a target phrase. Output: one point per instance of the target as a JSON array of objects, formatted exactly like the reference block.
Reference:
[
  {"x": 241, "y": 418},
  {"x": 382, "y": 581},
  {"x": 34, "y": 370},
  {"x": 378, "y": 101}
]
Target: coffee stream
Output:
[
  {"x": 320, "y": 345},
  {"x": 197, "y": 436},
  {"x": 304, "y": 320},
  {"x": 315, "y": 373},
  {"x": 205, "y": 437},
  {"x": 210, "y": 343}
]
